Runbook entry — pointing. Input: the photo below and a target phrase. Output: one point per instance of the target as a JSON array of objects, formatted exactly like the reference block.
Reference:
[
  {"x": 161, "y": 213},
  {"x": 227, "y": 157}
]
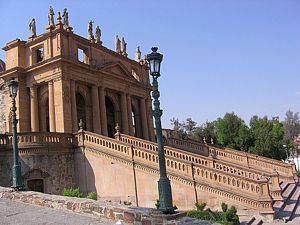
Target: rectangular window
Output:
[
  {"x": 80, "y": 55},
  {"x": 39, "y": 55}
]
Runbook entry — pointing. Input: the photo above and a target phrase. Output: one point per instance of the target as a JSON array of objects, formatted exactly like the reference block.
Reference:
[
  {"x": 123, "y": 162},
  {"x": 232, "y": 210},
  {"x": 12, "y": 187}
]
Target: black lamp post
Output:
[
  {"x": 16, "y": 170},
  {"x": 164, "y": 186}
]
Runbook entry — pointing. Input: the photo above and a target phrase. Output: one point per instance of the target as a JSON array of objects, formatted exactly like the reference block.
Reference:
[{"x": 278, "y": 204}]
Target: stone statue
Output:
[
  {"x": 90, "y": 30},
  {"x": 118, "y": 44},
  {"x": 98, "y": 35},
  {"x": 123, "y": 46},
  {"x": 65, "y": 16},
  {"x": 51, "y": 17},
  {"x": 138, "y": 54},
  {"x": 32, "y": 28}
]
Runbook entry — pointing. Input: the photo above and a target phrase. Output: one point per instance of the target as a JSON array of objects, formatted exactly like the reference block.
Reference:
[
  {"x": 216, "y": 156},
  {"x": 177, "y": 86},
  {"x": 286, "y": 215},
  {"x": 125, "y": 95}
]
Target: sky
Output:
[{"x": 240, "y": 56}]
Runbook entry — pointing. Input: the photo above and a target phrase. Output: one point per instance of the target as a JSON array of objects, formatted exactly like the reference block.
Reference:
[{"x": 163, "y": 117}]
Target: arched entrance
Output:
[
  {"x": 110, "y": 114},
  {"x": 36, "y": 185},
  {"x": 80, "y": 107}
]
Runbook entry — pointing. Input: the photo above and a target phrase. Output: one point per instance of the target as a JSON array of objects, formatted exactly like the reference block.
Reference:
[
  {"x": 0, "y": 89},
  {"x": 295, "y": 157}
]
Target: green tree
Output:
[
  {"x": 268, "y": 136},
  {"x": 291, "y": 126},
  {"x": 233, "y": 132},
  {"x": 178, "y": 129}
]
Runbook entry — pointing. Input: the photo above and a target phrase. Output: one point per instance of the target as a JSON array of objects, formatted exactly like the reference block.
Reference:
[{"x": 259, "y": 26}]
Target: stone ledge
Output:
[{"x": 109, "y": 210}]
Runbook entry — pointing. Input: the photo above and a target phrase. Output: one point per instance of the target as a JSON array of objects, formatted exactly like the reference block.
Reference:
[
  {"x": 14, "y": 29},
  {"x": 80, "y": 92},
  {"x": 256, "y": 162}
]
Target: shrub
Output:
[
  {"x": 224, "y": 207},
  {"x": 92, "y": 195},
  {"x": 227, "y": 217},
  {"x": 157, "y": 204},
  {"x": 72, "y": 192},
  {"x": 200, "y": 206},
  {"x": 232, "y": 217}
]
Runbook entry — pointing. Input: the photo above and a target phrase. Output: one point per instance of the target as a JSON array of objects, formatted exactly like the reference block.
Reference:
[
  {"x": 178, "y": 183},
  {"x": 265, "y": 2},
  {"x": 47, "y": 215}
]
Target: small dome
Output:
[{"x": 2, "y": 66}]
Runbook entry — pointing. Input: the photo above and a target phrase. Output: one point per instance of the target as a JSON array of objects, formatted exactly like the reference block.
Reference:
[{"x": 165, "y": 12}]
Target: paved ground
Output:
[{"x": 17, "y": 213}]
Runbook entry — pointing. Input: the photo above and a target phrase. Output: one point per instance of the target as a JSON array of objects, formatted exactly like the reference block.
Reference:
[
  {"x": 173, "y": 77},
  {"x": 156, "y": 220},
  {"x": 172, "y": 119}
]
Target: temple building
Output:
[{"x": 64, "y": 78}]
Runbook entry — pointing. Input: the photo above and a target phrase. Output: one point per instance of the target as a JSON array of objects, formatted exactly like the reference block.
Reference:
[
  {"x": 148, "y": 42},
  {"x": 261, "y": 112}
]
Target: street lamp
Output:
[
  {"x": 164, "y": 186},
  {"x": 16, "y": 170}
]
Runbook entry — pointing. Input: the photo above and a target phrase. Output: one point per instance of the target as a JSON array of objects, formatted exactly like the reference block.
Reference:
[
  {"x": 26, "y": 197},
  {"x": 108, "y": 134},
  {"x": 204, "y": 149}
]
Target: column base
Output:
[
  {"x": 165, "y": 196},
  {"x": 17, "y": 179}
]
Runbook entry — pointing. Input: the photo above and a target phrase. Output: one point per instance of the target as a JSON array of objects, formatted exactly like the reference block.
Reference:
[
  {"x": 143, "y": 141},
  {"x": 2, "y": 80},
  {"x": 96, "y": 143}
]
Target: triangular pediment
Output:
[{"x": 118, "y": 68}]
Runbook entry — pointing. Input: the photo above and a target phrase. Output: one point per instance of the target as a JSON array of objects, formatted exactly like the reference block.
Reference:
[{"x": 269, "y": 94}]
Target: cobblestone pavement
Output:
[{"x": 17, "y": 213}]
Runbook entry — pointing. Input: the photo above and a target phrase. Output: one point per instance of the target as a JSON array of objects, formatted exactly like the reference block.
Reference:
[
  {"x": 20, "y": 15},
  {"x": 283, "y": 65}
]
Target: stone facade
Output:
[
  {"x": 40, "y": 167},
  {"x": 2, "y": 102},
  {"x": 57, "y": 87}
]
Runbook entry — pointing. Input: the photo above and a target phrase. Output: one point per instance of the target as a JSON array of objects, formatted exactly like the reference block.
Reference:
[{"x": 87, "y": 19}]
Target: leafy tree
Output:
[
  {"x": 178, "y": 129},
  {"x": 268, "y": 136},
  {"x": 291, "y": 126},
  {"x": 233, "y": 132}
]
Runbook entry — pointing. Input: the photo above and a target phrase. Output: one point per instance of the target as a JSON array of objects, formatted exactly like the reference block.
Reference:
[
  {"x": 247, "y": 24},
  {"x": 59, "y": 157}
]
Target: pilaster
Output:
[{"x": 34, "y": 109}]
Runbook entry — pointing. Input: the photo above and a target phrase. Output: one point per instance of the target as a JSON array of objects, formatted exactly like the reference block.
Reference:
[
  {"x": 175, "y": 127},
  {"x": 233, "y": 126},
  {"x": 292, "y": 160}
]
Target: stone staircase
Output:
[{"x": 286, "y": 211}]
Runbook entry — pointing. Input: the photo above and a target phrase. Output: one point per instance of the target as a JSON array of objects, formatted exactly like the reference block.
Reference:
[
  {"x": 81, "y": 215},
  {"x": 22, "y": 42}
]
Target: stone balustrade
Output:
[
  {"x": 188, "y": 145},
  {"x": 286, "y": 171},
  {"x": 210, "y": 163},
  {"x": 250, "y": 192},
  {"x": 39, "y": 142}
]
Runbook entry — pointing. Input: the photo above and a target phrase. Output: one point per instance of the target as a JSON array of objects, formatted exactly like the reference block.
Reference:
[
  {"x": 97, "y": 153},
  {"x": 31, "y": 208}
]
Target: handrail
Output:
[
  {"x": 242, "y": 159},
  {"x": 256, "y": 190}
]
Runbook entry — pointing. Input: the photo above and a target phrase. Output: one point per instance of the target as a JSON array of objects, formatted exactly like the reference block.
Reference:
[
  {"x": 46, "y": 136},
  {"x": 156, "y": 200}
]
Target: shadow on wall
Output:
[{"x": 84, "y": 174}]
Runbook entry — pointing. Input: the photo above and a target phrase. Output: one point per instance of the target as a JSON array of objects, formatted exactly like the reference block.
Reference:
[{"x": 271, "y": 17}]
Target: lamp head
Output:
[
  {"x": 13, "y": 87},
  {"x": 154, "y": 59}
]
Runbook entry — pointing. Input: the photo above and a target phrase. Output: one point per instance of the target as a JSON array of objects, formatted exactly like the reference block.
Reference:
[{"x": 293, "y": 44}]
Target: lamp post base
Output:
[
  {"x": 165, "y": 198},
  {"x": 17, "y": 179}
]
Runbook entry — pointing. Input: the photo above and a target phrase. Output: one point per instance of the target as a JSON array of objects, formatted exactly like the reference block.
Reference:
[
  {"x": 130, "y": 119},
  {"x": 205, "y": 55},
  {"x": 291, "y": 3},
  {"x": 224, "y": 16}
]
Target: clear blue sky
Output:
[{"x": 220, "y": 56}]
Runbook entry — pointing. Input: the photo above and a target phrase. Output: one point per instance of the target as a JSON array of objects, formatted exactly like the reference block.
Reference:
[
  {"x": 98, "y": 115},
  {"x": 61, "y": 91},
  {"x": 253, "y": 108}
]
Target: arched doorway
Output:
[
  {"x": 80, "y": 107},
  {"x": 110, "y": 114},
  {"x": 36, "y": 185}
]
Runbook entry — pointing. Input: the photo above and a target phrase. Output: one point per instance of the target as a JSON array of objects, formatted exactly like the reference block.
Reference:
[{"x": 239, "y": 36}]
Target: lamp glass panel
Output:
[
  {"x": 10, "y": 89},
  {"x": 156, "y": 66},
  {"x": 152, "y": 66}
]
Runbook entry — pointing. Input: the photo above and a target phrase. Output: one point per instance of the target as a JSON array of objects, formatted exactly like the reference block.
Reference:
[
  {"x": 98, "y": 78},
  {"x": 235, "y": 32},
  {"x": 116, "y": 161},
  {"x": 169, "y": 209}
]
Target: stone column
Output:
[
  {"x": 34, "y": 109},
  {"x": 103, "y": 111},
  {"x": 129, "y": 112},
  {"x": 150, "y": 120},
  {"x": 73, "y": 107},
  {"x": 124, "y": 127},
  {"x": 144, "y": 119},
  {"x": 96, "y": 112},
  {"x": 51, "y": 107}
]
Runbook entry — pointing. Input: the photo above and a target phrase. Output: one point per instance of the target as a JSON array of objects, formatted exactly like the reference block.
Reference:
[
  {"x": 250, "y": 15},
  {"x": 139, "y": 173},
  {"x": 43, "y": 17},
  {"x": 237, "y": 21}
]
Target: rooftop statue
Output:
[
  {"x": 90, "y": 30},
  {"x": 123, "y": 46},
  {"x": 65, "y": 16},
  {"x": 32, "y": 28},
  {"x": 138, "y": 54},
  {"x": 98, "y": 35},
  {"x": 51, "y": 17},
  {"x": 118, "y": 44}
]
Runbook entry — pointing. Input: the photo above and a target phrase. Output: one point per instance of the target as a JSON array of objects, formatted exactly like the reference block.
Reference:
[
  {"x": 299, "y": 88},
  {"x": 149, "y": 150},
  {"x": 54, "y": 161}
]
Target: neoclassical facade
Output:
[{"x": 64, "y": 77}]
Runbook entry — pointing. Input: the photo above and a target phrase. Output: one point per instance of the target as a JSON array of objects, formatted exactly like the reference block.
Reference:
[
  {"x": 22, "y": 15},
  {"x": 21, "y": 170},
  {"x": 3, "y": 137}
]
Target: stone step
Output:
[
  {"x": 290, "y": 206},
  {"x": 256, "y": 221},
  {"x": 250, "y": 220},
  {"x": 287, "y": 191},
  {"x": 283, "y": 186}
]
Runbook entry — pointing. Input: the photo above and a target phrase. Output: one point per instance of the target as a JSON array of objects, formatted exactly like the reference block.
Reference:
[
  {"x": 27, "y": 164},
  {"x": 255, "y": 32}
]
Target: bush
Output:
[
  {"x": 157, "y": 204},
  {"x": 224, "y": 207},
  {"x": 232, "y": 217},
  {"x": 200, "y": 206},
  {"x": 72, "y": 192},
  {"x": 227, "y": 217},
  {"x": 92, "y": 195}
]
